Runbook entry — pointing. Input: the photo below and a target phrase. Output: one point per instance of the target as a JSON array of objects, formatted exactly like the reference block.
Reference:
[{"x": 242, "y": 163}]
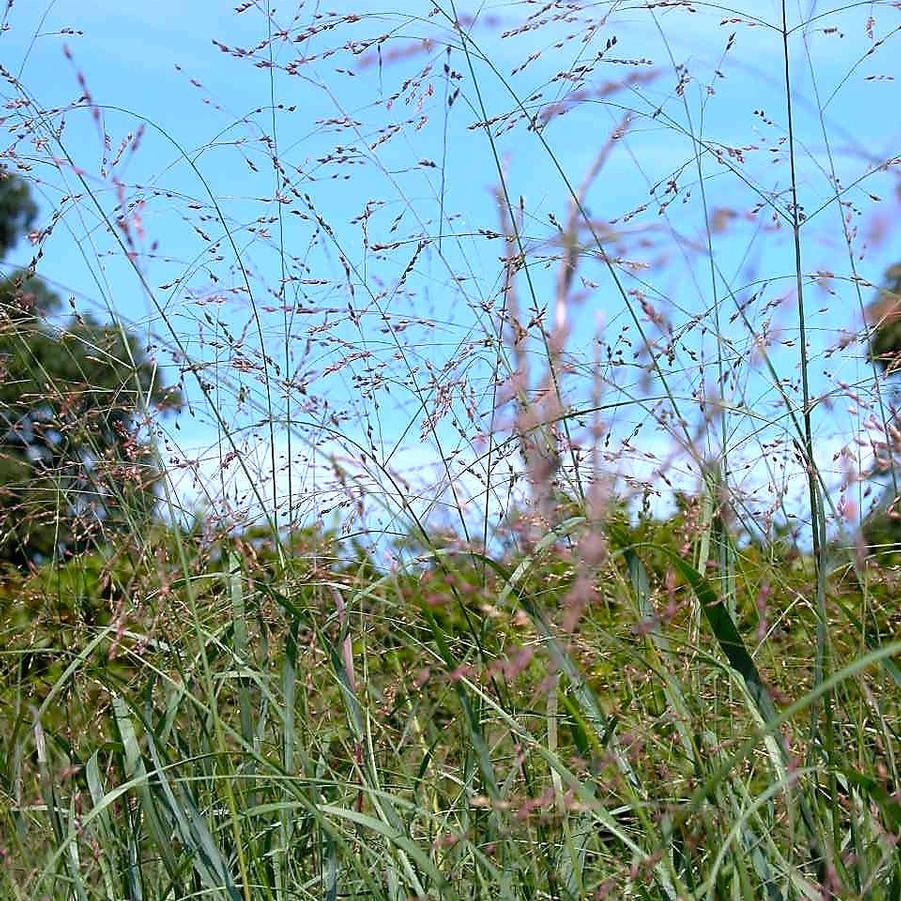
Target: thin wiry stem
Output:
[{"x": 817, "y": 517}]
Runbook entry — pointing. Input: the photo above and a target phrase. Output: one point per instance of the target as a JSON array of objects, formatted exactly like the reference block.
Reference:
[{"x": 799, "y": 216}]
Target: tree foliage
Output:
[
  {"x": 75, "y": 401},
  {"x": 882, "y": 529},
  {"x": 17, "y": 210},
  {"x": 885, "y": 322}
]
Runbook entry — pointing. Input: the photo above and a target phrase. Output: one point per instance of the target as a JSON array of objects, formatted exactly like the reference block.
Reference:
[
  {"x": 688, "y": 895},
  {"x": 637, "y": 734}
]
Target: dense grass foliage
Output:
[{"x": 220, "y": 725}]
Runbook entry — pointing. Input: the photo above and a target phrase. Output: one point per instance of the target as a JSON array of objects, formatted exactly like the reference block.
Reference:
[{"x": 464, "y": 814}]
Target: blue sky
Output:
[{"x": 205, "y": 111}]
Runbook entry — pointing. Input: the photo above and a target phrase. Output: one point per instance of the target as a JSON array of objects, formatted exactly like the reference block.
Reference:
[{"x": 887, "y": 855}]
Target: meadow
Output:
[{"x": 450, "y": 454}]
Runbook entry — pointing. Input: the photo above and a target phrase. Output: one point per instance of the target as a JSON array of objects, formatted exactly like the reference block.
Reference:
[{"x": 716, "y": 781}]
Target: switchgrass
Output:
[{"x": 475, "y": 594}]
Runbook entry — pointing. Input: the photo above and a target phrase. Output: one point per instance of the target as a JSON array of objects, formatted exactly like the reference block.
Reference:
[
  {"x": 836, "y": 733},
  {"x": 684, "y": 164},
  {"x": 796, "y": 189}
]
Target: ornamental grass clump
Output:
[{"x": 449, "y": 453}]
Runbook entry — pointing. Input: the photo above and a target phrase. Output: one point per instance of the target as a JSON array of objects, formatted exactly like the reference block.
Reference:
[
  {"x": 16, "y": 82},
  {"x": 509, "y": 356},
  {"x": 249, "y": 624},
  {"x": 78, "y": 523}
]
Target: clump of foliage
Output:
[
  {"x": 76, "y": 397},
  {"x": 882, "y": 527},
  {"x": 885, "y": 318}
]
